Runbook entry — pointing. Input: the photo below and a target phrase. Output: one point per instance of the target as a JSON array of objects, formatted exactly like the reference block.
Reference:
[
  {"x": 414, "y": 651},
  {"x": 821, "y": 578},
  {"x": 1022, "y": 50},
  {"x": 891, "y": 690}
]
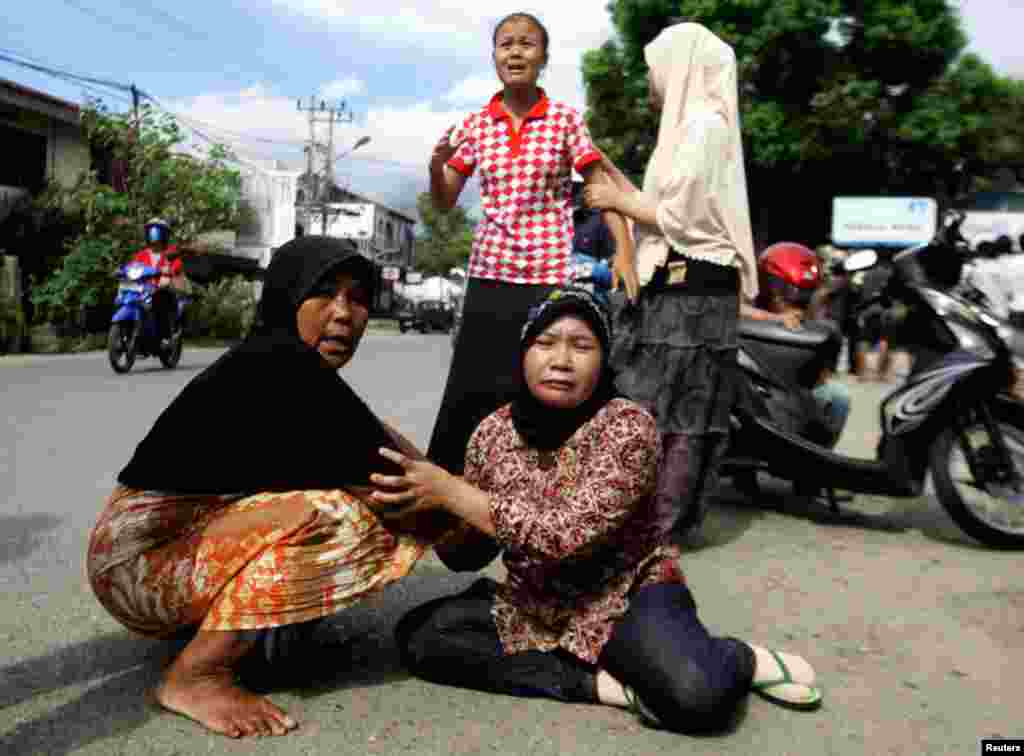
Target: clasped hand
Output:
[{"x": 423, "y": 486}]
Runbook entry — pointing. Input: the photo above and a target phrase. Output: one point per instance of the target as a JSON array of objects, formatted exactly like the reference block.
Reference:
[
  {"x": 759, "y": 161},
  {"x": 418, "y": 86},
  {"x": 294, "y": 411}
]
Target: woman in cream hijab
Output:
[{"x": 694, "y": 261}]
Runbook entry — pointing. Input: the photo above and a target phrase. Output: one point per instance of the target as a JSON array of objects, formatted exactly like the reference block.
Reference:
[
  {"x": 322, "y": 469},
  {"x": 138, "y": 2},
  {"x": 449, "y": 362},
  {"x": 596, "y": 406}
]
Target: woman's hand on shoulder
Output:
[{"x": 602, "y": 196}]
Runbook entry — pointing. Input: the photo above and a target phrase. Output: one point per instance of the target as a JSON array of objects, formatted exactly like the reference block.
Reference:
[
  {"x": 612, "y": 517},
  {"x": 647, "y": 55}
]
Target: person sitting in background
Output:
[
  {"x": 790, "y": 277},
  {"x": 591, "y": 235},
  {"x": 997, "y": 272}
]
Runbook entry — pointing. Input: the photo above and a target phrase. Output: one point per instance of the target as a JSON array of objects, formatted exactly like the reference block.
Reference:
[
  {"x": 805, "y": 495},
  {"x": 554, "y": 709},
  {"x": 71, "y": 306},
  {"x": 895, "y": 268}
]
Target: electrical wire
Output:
[
  {"x": 42, "y": 68},
  {"x": 226, "y": 134},
  {"x": 166, "y": 18},
  {"x": 135, "y": 31},
  {"x": 195, "y": 125}
]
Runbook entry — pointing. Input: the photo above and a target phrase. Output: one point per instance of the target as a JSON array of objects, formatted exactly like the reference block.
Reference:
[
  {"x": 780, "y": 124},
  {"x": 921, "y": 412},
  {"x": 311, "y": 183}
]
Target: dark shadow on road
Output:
[
  {"x": 128, "y": 667},
  {"x": 157, "y": 369},
  {"x": 116, "y": 706},
  {"x": 357, "y": 647},
  {"x": 20, "y": 535},
  {"x": 867, "y": 512},
  {"x": 728, "y": 518},
  {"x": 359, "y": 652},
  {"x": 927, "y": 515},
  {"x": 111, "y": 654}
]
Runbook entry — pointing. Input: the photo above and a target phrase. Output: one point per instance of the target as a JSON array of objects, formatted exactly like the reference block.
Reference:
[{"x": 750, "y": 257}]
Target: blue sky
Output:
[{"x": 406, "y": 68}]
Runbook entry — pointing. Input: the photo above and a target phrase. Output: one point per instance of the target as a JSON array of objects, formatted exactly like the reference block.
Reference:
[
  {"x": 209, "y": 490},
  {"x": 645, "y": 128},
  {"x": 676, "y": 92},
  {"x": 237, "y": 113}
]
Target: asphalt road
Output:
[{"x": 917, "y": 633}]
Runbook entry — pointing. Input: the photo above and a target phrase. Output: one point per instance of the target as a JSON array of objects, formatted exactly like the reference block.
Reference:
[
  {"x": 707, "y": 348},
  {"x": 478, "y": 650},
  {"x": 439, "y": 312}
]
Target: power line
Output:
[
  {"x": 232, "y": 135},
  {"x": 36, "y": 64},
  {"x": 107, "y": 20},
  {"x": 195, "y": 125},
  {"x": 165, "y": 17},
  {"x": 26, "y": 63}
]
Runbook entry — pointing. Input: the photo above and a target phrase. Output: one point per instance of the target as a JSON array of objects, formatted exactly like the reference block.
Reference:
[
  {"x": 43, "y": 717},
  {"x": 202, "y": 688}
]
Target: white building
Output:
[
  {"x": 268, "y": 193},
  {"x": 383, "y": 234}
]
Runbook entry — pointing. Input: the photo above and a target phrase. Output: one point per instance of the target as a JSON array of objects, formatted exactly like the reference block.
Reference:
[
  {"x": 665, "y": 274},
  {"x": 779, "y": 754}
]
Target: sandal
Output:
[
  {"x": 637, "y": 706},
  {"x": 810, "y": 700}
]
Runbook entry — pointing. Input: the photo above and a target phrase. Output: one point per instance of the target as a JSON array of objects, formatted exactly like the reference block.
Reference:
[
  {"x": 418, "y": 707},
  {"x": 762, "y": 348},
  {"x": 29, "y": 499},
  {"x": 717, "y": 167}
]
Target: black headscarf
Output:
[
  {"x": 541, "y": 426},
  {"x": 271, "y": 414}
]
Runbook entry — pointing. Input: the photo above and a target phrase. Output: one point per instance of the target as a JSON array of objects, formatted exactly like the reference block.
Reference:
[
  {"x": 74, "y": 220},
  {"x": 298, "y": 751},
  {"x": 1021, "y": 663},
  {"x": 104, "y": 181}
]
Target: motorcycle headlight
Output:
[{"x": 135, "y": 272}]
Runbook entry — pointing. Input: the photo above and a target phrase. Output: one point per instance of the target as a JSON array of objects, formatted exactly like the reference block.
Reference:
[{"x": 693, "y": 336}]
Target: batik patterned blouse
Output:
[{"x": 578, "y": 527}]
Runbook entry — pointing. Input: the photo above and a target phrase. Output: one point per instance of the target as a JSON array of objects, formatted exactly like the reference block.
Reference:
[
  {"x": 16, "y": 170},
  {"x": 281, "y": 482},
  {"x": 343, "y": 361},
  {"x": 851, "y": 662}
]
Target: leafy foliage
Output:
[
  {"x": 837, "y": 97},
  {"x": 225, "y": 309},
  {"x": 193, "y": 194},
  {"x": 447, "y": 238}
]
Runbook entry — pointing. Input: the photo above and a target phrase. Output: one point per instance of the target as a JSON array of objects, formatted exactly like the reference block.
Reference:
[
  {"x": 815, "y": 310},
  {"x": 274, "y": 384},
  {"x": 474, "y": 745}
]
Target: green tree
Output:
[
  {"x": 193, "y": 194},
  {"x": 447, "y": 238},
  {"x": 837, "y": 97}
]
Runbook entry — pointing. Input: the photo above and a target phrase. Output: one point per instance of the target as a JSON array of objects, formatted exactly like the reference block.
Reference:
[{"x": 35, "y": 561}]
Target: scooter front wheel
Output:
[
  {"x": 978, "y": 473},
  {"x": 170, "y": 358},
  {"x": 121, "y": 345}
]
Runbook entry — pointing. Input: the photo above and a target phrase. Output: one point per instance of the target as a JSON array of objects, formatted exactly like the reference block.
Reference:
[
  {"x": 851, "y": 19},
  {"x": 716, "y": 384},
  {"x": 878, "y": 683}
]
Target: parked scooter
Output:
[
  {"x": 957, "y": 415},
  {"x": 134, "y": 331}
]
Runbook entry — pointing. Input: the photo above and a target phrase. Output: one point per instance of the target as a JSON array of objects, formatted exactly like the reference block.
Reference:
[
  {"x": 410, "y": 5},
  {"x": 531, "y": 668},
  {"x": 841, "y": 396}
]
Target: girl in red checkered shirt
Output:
[{"x": 524, "y": 147}]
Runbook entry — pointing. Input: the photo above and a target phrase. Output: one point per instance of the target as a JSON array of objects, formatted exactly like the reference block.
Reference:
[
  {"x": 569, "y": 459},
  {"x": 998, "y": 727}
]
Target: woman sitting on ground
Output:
[
  {"x": 595, "y": 608},
  {"x": 245, "y": 508}
]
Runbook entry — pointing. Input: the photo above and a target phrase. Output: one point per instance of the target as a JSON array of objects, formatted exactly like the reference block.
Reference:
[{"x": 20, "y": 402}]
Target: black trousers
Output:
[
  {"x": 165, "y": 311},
  {"x": 486, "y": 370},
  {"x": 691, "y": 681}
]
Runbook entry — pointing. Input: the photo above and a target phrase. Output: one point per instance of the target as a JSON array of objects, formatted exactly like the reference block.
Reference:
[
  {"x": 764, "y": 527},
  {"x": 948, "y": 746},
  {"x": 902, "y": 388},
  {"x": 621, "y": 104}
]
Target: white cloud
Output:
[
  {"x": 473, "y": 90},
  {"x": 392, "y": 166},
  {"x": 403, "y": 136},
  {"x": 345, "y": 87},
  {"x": 993, "y": 29},
  {"x": 461, "y": 27}
]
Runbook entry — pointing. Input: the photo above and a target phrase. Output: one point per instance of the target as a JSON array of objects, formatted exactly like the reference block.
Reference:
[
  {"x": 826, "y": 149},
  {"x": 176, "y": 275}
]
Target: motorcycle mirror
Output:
[{"x": 860, "y": 260}]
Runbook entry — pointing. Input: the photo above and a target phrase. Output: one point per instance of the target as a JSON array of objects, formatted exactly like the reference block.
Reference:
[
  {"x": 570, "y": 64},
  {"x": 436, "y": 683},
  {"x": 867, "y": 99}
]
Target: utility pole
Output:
[
  {"x": 135, "y": 107},
  {"x": 329, "y": 113},
  {"x": 136, "y": 129}
]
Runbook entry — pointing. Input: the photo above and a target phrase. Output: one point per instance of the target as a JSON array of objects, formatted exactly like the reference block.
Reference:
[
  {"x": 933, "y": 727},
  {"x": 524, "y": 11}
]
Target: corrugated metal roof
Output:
[{"x": 32, "y": 99}]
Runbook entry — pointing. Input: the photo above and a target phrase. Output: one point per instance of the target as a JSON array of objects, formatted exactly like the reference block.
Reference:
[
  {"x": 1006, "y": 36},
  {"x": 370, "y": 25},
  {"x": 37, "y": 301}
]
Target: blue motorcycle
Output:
[{"x": 135, "y": 329}]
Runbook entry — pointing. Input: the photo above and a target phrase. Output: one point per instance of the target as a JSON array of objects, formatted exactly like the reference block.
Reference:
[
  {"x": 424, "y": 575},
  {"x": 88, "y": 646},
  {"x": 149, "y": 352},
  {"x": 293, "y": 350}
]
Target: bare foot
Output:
[{"x": 217, "y": 703}]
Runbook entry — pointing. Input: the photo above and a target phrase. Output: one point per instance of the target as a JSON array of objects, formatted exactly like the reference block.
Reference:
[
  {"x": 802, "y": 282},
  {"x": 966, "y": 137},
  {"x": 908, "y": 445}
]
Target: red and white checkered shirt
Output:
[{"x": 525, "y": 236}]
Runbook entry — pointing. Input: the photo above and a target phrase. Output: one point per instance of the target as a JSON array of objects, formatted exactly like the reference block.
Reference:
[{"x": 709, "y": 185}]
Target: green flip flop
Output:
[
  {"x": 765, "y": 689},
  {"x": 638, "y": 707}
]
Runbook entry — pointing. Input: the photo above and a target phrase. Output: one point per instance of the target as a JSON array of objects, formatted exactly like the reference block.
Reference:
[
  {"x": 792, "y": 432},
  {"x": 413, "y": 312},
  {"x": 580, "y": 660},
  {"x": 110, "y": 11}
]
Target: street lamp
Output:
[{"x": 363, "y": 140}]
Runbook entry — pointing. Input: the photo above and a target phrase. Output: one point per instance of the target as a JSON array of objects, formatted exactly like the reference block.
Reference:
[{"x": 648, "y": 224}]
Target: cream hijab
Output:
[{"x": 696, "y": 173}]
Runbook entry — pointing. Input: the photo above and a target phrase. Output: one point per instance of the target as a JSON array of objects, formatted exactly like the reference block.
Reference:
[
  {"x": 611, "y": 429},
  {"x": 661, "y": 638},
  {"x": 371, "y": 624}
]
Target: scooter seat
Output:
[{"x": 810, "y": 335}]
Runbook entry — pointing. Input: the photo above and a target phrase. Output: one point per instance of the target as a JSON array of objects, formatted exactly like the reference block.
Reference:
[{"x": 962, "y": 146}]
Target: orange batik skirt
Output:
[{"x": 160, "y": 563}]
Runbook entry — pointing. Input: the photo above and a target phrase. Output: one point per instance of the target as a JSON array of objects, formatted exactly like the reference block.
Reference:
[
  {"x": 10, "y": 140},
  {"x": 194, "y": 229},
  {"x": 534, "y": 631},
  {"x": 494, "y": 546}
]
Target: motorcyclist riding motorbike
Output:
[
  {"x": 165, "y": 257},
  {"x": 790, "y": 278}
]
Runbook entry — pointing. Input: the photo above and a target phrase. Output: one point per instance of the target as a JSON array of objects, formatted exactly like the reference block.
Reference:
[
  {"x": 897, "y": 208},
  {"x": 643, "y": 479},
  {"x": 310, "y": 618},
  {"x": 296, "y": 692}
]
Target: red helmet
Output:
[{"x": 791, "y": 269}]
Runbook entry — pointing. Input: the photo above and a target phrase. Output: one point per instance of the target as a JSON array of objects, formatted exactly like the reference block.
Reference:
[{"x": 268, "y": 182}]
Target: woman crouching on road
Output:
[
  {"x": 595, "y": 608},
  {"x": 243, "y": 516}
]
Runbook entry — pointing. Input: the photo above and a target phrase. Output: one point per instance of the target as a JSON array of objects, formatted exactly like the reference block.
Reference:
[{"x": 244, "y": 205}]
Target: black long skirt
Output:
[{"x": 485, "y": 372}]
